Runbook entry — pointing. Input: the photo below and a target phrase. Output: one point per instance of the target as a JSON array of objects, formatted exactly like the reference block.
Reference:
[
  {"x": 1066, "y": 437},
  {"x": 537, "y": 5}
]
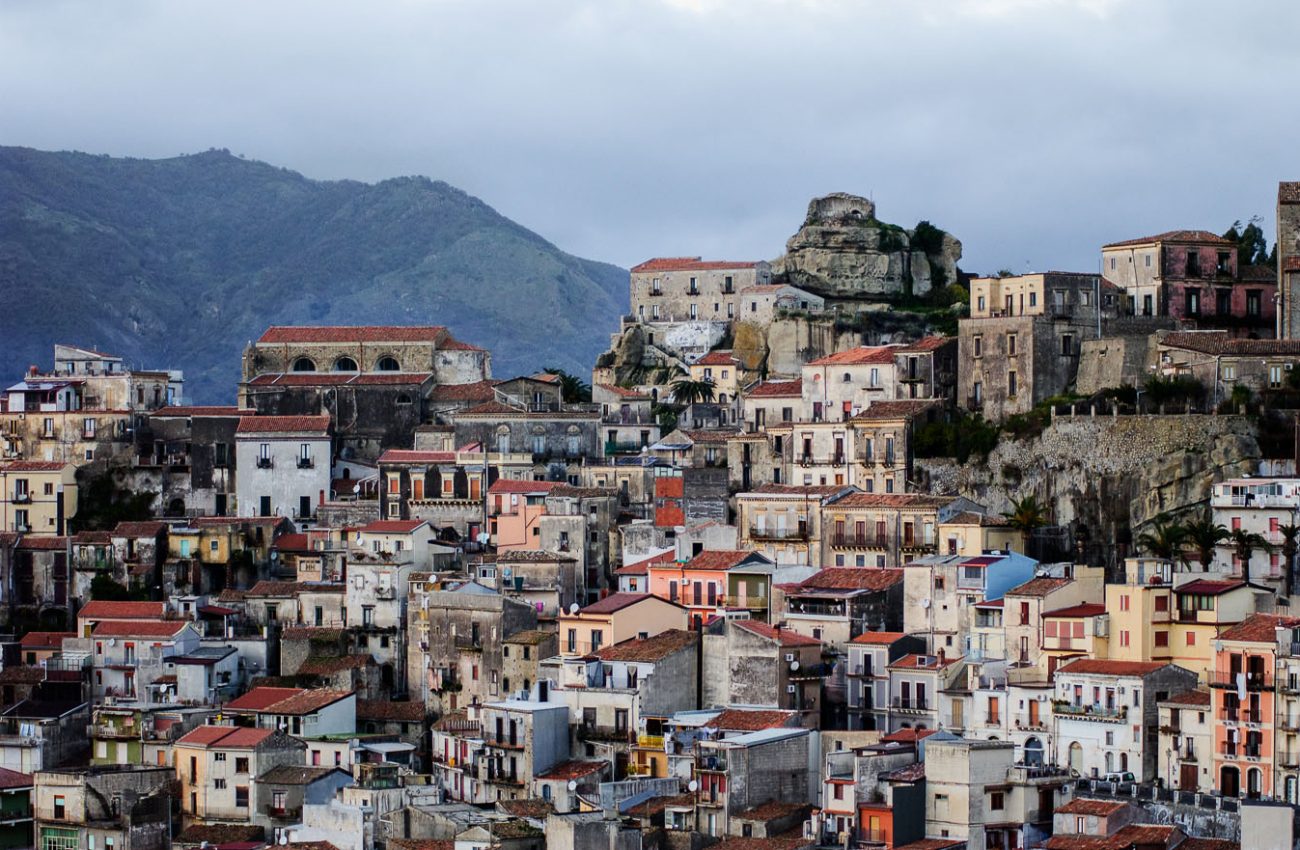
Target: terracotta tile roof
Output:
[
  {"x": 1106, "y": 667},
  {"x": 532, "y": 637},
  {"x": 1039, "y": 586},
  {"x": 391, "y": 526},
  {"x": 531, "y": 808},
  {"x": 623, "y": 392},
  {"x": 650, "y": 649},
  {"x": 478, "y": 391},
  {"x": 933, "y": 844},
  {"x": 138, "y": 628},
  {"x": 351, "y": 333},
  {"x": 718, "y": 559},
  {"x": 784, "y": 637},
  {"x": 781, "y": 842},
  {"x": 1209, "y": 587},
  {"x": 1200, "y": 698},
  {"x": 689, "y": 264},
  {"x": 436, "y": 843},
  {"x": 336, "y": 379},
  {"x": 385, "y": 709},
  {"x": 656, "y": 805},
  {"x": 717, "y": 358},
  {"x": 861, "y": 356},
  {"x": 416, "y": 456},
  {"x": 752, "y": 720},
  {"x": 1219, "y": 343},
  {"x": 282, "y": 424},
  {"x": 702, "y": 435},
  {"x": 145, "y": 528},
  {"x": 892, "y": 500},
  {"x": 1291, "y": 264},
  {"x": 309, "y": 845},
  {"x": 1088, "y": 609},
  {"x": 303, "y": 702},
  {"x": 216, "y": 834},
  {"x": 43, "y": 544},
  {"x": 776, "y": 389},
  {"x": 237, "y": 737},
  {"x": 32, "y": 466},
  {"x": 235, "y": 522},
  {"x": 973, "y": 518},
  {"x": 1259, "y": 628},
  {"x": 1096, "y": 808},
  {"x": 45, "y": 640},
  {"x": 510, "y": 485},
  {"x": 262, "y": 698},
  {"x": 89, "y": 538},
  {"x": 903, "y": 409},
  {"x": 616, "y": 602},
  {"x": 329, "y": 665},
  {"x": 1173, "y": 236},
  {"x": 927, "y": 343},
  {"x": 852, "y": 578},
  {"x": 1257, "y": 274},
  {"x": 293, "y": 543},
  {"x": 202, "y": 410},
  {"x": 572, "y": 769},
  {"x": 14, "y": 779},
  {"x": 20, "y": 675},
  {"x": 1209, "y": 844},
  {"x": 773, "y": 810},
  {"x": 491, "y": 408},
  {"x": 916, "y": 661},
  {"x": 270, "y": 587},
  {"x": 640, "y": 568},
  {"x": 296, "y": 774},
  {"x": 534, "y": 556},
  {"x": 809, "y": 491},
  {"x": 879, "y": 638}
]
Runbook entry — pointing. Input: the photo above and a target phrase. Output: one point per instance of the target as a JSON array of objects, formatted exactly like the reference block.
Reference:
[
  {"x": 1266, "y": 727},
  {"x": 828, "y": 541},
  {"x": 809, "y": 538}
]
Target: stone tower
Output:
[{"x": 1288, "y": 259}]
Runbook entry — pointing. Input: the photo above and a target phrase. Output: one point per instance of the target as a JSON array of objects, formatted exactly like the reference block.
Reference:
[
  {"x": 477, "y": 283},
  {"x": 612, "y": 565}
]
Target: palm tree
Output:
[
  {"x": 686, "y": 391},
  {"x": 1289, "y": 533},
  {"x": 1246, "y": 542},
  {"x": 572, "y": 388},
  {"x": 1164, "y": 539},
  {"x": 1204, "y": 536},
  {"x": 1027, "y": 515}
]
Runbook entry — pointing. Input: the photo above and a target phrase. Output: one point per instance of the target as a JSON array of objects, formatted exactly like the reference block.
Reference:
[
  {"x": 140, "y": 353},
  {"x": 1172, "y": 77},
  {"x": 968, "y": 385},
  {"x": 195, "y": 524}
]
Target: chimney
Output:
[{"x": 941, "y": 656}]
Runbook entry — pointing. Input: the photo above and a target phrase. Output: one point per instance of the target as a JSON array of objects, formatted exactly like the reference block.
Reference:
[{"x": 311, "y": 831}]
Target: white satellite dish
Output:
[
  {"x": 573, "y": 785},
  {"x": 284, "y": 839},
  {"x": 694, "y": 786},
  {"x": 573, "y": 609},
  {"x": 794, "y": 665},
  {"x": 112, "y": 641}
]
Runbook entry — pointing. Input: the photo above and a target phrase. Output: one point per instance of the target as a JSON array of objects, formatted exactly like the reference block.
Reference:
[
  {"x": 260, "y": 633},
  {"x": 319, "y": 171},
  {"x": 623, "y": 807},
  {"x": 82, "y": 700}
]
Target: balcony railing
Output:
[
  {"x": 1091, "y": 712},
  {"x": 504, "y": 742},
  {"x": 650, "y": 742},
  {"x": 860, "y": 541},
  {"x": 468, "y": 642},
  {"x": 611, "y": 734},
  {"x": 752, "y": 602},
  {"x": 282, "y": 812},
  {"x": 756, "y": 533},
  {"x": 265, "y": 463},
  {"x": 1255, "y": 680},
  {"x": 910, "y": 704}
]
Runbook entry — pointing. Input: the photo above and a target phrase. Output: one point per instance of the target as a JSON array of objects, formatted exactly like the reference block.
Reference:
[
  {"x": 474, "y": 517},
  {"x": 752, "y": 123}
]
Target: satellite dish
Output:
[
  {"x": 284, "y": 839},
  {"x": 112, "y": 641},
  {"x": 794, "y": 665},
  {"x": 573, "y": 785},
  {"x": 694, "y": 786},
  {"x": 573, "y": 609}
]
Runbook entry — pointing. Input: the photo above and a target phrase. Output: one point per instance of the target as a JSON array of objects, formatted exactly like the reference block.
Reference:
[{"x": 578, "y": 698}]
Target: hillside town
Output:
[{"x": 849, "y": 549}]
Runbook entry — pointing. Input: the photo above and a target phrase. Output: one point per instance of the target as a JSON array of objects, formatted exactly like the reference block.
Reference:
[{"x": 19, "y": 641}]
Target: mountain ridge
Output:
[{"x": 178, "y": 262}]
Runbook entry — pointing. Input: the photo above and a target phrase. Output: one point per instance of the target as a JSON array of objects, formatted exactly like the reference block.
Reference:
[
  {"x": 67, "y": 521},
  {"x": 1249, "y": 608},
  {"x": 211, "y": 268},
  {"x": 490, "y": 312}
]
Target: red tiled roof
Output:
[
  {"x": 809, "y": 491},
  {"x": 103, "y": 609},
  {"x": 653, "y": 648},
  {"x": 572, "y": 769},
  {"x": 88, "y": 538},
  {"x": 861, "y": 356},
  {"x": 751, "y": 720},
  {"x": 14, "y": 779},
  {"x": 138, "y": 628},
  {"x": 352, "y": 333},
  {"x": 784, "y": 637},
  {"x": 478, "y": 391},
  {"x": 718, "y": 559},
  {"x": 329, "y": 665},
  {"x": 1039, "y": 586},
  {"x": 510, "y": 485},
  {"x": 261, "y": 698},
  {"x": 202, "y": 410},
  {"x": 616, "y": 602},
  {"x": 1088, "y": 609},
  {"x": 238, "y": 737},
  {"x": 777, "y": 389},
  {"x": 689, "y": 264},
  {"x": 45, "y": 640},
  {"x": 1190, "y": 698},
  {"x": 879, "y": 637},
  {"x": 640, "y": 568},
  {"x": 335, "y": 379},
  {"x": 43, "y": 544},
  {"x": 717, "y": 358},
  {"x": 286, "y": 700},
  {"x": 1105, "y": 667},
  {"x": 271, "y": 587},
  {"x": 907, "y": 736},
  {"x": 623, "y": 392},
  {"x": 32, "y": 465},
  {"x": 282, "y": 424},
  {"x": 772, "y": 810},
  {"x": 1259, "y": 628},
  {"x": 892, "y": 500},
  {"x": 916, "y": 661},
  {"x": 1173, "y": 236},
  {"x": 416, "y": 456},
  {"x": 492, "y": 408},
  {"x": 1291, "y": 264},
  {"x": 144, "y": 528},
  {"x": 387, "y": 709},
  {"x": 1209, "y": 587},
  {"x": 1219, "y": 343},
  {"x": 852, "y": 578},
  {"x": 391, "y": 526},
  {"x": 927, "y": 343},
  {"x": 902, "y": 409},
  {"x": 910, "y": 773},
  {"x": 293, "y": 543},
  {"x": 1096, "y": 808}
]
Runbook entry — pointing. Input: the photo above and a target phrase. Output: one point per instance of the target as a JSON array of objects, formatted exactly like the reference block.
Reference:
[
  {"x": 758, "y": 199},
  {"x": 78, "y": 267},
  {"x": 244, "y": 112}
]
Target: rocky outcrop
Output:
[
  {"x": 1111, "y": 475},
  {"x": 844, "y": 252}
]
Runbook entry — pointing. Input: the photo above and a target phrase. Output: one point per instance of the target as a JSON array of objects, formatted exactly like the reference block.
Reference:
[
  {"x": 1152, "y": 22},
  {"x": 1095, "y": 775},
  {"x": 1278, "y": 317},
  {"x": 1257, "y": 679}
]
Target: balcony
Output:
[
  {"x": 265, "y": 463},
  {"x": 811, "y": 672},
  {"x": 860, "y": 541},
  {"x": 1289, "y": 760},
  {"x": 22, "y": 498},
  {"x": 992, "y": 720},
  {"x": 1255, "y": 680},
  {"x": 911, "y": 544},
  {"x": 803, "y": 608},
  {"x": 1239, "y": 751},
  {"x": 503, "y": 778},
  {"x": 1108, "y": 713},
  {"x": 778, "y": 534},
  {"x": 609, "y": 734},
  {"x": 504, "y": 742},
  {"x": 108, "y": 732},
  {"x": 1031, "y": 724},
  {"x": 306, "y": 463},
  {"x": 650, "y": 742},
  {"x": 283, "y": 813},
  {"x": 910, "y": 705},
  {"x": 714, "y": 761},
  {"x": 750, "y": 602}
]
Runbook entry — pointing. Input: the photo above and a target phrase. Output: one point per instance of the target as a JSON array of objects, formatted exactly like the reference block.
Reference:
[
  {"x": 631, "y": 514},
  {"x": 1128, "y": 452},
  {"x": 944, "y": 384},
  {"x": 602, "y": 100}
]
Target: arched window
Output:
[
  {"x": 388, "y": 364},
  {"x": 304, "y": 364},
  {"x": 345, "y": 364},
  {"x": 403, "y": 398}
]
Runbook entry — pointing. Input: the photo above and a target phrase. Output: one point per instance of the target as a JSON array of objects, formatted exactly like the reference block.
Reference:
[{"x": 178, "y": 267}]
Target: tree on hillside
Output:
[
  {"x": 1203, "y": 537},
  {"x": 1027, "y": 515},
  {"x": 1245, "y": 543},
  {"x": 1164, "y": 539},
  {"x": 686, "y": 391},
  {"x": 572, "y": 388},
  {"x": 1252, "y": 244}
]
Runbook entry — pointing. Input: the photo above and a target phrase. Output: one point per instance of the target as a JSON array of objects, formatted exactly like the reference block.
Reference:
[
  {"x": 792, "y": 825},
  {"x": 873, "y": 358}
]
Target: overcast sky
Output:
[{"x": 1034, "y": 130}]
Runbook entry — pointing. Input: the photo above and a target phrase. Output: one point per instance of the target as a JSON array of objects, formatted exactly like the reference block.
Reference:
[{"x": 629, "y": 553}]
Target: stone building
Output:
[
  {"x": 736, "y": 774},
  {"x": 1221, "y": 362},
  {"x": 688, "y": 289},
  {"x": 558, "y": 440},
  {"x": 753, "y": 664},
  {"x": 1288, "y": 259},
  {"x": 521, "y": 657},
  {"x": 285, "y": 463},
  {"x": 394, "y": 349},
  {"x": 124, "y": 806},
  {"x": 191, "y": 450}
]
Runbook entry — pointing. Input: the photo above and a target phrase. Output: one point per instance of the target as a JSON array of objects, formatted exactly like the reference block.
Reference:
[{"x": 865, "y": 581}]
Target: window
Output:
[
  {"x": 694, "y": 312},
  {"x": 241, "y": 796},
  {"x": 1011, "y": 384},
  {"x": 1191, "y": 638},
  {"x": 345, "y": 364},
  {"x": 980, "y": 303},
  {"x": 1033, "y": 299},
  {"x": 1274, "y": 375},
  {"x": 1067, "y": 344},
  {"x": 1162, "y": 603},
  {"x": 1162, "y": 638},
  {"x": 996, "y": 801},
  {"x": 1253, "y": 300},
  {"x": 1011, "y": 344},
  {"x": 241, "y": 765},
  {"x": 1192, "y": 302},
  {"x": 47, "y": 427},
  {"x": 597, "y": 638},
  {"x": 1123, "y": 637},
  {"x": 219, "y": 757},
  {"x": 388, "y": 364},
  {"x": 219, "y": 783},
  {"x": 979, "y": 345},
  {"x": 1123, "y": 602},
  {"x": 88, "y": 429},
  {"x": 60, "y": 807}
]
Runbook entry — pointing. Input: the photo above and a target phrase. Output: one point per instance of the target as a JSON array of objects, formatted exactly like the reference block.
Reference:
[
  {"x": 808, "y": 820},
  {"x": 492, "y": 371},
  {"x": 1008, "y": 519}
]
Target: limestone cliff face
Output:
[
  {"x": 1111, "y": 475},
  {"x": 843, "y": 251}
]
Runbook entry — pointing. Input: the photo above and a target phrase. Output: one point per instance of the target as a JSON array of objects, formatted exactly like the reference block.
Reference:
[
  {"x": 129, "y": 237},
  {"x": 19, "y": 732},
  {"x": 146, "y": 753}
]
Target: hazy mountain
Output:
[{"x": 177, "y": 263}]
